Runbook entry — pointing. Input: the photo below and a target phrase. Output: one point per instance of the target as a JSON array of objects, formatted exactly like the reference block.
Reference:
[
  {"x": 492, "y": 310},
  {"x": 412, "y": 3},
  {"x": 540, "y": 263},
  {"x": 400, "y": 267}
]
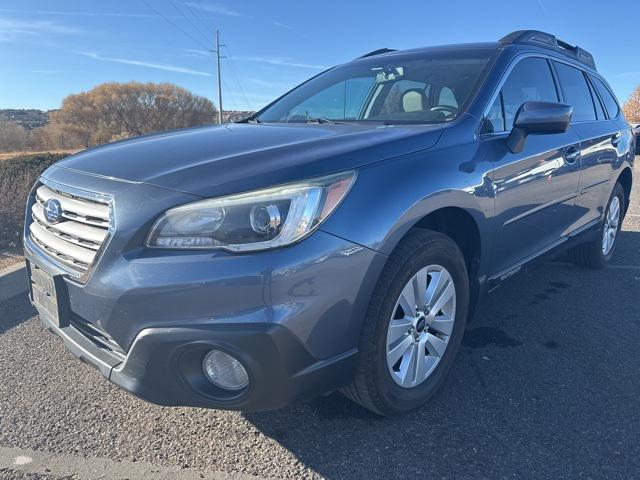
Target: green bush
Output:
[{"x": 17, "y": 176}]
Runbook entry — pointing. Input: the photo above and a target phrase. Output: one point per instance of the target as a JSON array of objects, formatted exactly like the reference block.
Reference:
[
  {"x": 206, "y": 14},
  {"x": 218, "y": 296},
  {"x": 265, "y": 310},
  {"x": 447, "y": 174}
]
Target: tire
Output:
[
  {"x": 592, "y": 254},
  {"x": 375, "y": 384}
]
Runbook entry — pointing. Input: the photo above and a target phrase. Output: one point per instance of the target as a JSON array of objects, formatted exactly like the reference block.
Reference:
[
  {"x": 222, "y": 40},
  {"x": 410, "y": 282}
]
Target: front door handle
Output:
[
  {"x": 615, "y": 139},
  {"x": 572, "y": 155}
]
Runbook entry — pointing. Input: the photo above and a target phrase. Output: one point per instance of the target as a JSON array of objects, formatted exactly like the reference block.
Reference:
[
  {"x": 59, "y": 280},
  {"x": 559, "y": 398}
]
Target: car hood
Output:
[{"x": 225, "y": 159}]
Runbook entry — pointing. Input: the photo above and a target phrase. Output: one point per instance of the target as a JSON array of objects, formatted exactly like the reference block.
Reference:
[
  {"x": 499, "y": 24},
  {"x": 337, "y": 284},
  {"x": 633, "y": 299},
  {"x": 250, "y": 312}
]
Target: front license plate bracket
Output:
[{"x": 49, "y": 295}]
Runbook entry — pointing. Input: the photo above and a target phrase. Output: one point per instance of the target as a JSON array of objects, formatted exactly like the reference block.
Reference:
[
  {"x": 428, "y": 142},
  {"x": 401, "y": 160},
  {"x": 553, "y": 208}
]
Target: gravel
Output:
[
  {"x": 9, "y": 474},
  {"x": 7, "y": 259},
  {"x": 546, "y": 385}
]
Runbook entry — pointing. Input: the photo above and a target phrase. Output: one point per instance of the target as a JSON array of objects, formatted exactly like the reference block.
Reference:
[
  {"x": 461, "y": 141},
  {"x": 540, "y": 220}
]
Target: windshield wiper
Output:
[
  {"x": 253, "y": 120},
  {"x": 327, "y": 120}
]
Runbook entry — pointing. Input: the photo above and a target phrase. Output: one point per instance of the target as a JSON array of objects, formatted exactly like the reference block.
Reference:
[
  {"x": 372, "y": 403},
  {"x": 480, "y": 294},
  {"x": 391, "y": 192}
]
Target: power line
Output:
[
  {"x": 189, "y": 20},
  {"x": 229, "y": 92},
  {"x": 235, "y": 74},
  {"x": 175, "y": 25},
  {"x": 197, "y": 17}
]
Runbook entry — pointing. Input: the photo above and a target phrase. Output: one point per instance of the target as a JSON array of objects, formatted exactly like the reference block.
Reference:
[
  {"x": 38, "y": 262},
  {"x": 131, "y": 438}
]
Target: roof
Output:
[{"x": 519, "y": 37}]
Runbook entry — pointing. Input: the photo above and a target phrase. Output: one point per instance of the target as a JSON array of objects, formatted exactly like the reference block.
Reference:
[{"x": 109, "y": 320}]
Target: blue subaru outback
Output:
[{"x": 337, "y": 239}]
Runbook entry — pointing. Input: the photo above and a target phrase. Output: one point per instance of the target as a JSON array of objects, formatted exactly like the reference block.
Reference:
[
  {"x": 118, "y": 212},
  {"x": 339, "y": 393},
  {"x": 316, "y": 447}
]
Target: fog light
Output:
[{"x": 225, "y": 371}]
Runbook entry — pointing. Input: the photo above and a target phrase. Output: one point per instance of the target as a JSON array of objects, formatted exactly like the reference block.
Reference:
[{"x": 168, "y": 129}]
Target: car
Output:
[
  {"x": 636, "y": 131},
  {"x": 339, "y": 238}
]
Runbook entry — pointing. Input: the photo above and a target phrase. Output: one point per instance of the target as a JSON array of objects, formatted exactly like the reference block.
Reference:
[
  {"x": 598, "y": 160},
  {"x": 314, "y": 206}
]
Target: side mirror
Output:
[{"x": 538, "y": 118}]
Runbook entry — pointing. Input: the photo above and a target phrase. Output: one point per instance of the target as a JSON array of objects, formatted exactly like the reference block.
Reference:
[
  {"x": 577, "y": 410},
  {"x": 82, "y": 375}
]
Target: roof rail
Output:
[
  {"x": 377, "y": 52},
  {"x": 542, "y": 39}
]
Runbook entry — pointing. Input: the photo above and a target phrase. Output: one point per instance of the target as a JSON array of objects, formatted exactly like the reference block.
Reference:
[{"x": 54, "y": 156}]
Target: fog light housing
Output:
[{"x": 225, "y": 371}]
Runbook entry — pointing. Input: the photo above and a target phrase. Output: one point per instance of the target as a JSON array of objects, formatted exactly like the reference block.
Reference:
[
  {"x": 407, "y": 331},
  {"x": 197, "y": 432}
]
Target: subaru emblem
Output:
[{"x": 52, "y": 211}]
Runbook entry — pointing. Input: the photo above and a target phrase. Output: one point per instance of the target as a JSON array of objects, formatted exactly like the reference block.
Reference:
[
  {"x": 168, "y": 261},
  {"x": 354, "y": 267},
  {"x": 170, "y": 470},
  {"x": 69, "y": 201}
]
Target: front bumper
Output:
[
  {"x": 160, "y": 367},
  {"x": 292, "y": 316}
]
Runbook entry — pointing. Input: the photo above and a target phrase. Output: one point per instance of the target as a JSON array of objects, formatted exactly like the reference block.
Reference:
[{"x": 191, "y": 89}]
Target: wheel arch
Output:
[
  {"x": 626, "y": 180},
  {"x": 459, "y": 225},
  {"x": 466, "y": 227}
]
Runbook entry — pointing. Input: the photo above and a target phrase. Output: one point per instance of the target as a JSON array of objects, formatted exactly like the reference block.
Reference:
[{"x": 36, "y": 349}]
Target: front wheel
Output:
[
  {"x": 414, "y": 325},
  {"x": 598, "y": 252}
]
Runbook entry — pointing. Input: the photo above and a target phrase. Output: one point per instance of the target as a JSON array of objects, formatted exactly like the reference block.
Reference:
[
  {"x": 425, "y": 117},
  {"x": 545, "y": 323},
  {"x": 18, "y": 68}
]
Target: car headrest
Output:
[{"x": 413, "y": 100}]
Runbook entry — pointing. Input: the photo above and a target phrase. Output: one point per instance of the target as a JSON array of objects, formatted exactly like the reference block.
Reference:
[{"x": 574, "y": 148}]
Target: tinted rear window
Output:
[
  {"x": 597, "y": 103},
  {"x": 609, "y": 100}
]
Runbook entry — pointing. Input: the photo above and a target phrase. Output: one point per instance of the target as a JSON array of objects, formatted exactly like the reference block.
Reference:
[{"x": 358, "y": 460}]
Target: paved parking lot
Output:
[{"x": 546, "y": 385}]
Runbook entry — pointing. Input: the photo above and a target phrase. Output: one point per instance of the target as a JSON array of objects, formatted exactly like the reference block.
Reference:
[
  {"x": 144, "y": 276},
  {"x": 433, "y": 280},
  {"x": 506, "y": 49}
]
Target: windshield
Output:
[{"x": 424, "y": 87}]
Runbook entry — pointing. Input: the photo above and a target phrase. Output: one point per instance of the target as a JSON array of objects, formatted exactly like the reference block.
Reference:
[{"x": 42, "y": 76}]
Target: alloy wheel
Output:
[
  {"x": 612, "y": 219},
  {"x": 421, "y": 326}
]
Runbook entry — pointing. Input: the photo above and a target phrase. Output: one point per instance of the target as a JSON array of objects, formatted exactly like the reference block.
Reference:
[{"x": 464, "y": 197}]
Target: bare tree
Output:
[
  {"x": 631, "y": 107},
  {"x": 13, "y": 137}
]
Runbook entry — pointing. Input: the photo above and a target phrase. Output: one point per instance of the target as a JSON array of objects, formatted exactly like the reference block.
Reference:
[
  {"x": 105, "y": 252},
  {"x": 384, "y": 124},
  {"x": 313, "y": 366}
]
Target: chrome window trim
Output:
[
  {"x": 80, "y": 277},
  {"x": 505, "y": 75}
]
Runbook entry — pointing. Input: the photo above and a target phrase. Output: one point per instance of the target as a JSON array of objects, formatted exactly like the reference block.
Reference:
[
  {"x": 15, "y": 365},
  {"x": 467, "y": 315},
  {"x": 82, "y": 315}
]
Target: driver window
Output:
[{"x": 530, "y": 80}]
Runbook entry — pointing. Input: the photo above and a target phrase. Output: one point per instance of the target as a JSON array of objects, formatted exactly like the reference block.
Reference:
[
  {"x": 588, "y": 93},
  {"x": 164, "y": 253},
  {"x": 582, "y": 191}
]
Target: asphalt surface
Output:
[{"x": 546, "y": 385}]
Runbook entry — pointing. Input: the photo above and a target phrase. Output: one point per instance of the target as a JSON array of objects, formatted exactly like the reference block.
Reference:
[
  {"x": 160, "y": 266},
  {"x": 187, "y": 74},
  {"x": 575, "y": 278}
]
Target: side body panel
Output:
[
  {"x": 535, "y": 191},
  {"x": 390, "y": 197}
]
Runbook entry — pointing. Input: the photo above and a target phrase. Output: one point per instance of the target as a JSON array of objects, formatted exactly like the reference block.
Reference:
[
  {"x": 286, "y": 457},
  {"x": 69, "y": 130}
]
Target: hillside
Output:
[{"x": 28, "y": 118}]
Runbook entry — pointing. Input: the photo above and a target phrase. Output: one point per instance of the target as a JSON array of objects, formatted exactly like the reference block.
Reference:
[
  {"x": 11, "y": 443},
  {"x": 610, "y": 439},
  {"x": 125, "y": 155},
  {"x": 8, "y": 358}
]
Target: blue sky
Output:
[{"x": 49, "y": 49}]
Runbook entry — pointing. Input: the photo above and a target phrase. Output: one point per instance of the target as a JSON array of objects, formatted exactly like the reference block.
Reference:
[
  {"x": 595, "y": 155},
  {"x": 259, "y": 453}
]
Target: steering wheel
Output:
[{"x": 448, "y": 110}]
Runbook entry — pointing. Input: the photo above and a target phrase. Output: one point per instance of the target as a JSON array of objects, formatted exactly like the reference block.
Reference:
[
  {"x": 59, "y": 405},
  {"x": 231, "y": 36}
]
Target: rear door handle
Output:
[
  {"x": 572, "y": 155},
  {"x": 615, "y": 139}
]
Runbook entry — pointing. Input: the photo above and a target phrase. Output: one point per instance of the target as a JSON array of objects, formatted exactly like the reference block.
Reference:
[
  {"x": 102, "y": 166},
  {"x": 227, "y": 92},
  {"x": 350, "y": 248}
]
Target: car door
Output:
[
  {"x": 535, "y": 189},
  {"x": 597, "y": 138}
]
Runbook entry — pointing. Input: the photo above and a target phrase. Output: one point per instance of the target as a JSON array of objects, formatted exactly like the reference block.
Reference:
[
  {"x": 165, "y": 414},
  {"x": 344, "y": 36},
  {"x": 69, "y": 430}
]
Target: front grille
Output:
[{"x": 75, "y": 241}]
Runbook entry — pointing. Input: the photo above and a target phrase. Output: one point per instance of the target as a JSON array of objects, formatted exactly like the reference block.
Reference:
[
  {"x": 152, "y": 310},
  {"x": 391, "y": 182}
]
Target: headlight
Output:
[{"x": 252, "y": 221}]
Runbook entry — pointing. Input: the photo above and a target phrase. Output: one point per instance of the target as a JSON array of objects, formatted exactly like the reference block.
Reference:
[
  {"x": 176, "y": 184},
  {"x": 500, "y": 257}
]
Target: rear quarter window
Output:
[{"x": 607, "y": 97}]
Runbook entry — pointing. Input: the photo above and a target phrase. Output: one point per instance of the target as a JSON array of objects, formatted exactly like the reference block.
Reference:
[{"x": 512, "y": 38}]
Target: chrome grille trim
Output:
[{"x": 76, "y": 242}]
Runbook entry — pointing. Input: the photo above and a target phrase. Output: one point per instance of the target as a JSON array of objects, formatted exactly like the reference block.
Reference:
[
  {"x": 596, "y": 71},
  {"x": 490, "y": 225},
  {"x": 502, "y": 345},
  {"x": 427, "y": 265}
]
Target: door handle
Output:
[
  {"x": 615, "y": 139},
  {"x": 572, "y": 155}
]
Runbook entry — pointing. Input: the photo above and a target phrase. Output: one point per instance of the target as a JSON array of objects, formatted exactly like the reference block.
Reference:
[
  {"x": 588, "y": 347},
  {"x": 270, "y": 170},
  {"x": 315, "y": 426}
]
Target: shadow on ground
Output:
[
  {"x": 545, "y": 385},
  {"x": 15, "y": 311}
]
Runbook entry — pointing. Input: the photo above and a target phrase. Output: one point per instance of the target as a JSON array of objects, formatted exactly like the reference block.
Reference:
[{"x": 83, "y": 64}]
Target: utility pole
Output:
[{"x": 218, "y": 45}]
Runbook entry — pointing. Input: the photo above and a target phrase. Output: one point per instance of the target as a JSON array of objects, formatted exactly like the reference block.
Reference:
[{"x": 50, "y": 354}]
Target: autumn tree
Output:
[
  {"x": 112, "y": 111},
  {"x": 631, "y": 107},
  {"x": 13, "y": 137}
]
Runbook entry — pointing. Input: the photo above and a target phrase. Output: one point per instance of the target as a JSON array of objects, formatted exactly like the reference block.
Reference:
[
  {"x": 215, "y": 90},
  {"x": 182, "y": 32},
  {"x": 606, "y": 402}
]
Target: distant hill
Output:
[
  {"x": 33, "y": 118},
  {"x": 29, "y": 119}
]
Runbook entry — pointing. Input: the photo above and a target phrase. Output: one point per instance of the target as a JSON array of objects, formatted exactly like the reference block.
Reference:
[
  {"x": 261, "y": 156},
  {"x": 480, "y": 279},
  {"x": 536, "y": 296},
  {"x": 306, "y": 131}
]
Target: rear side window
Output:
[
  {"x": 596, "y": 102},
  {"x": 530, "y": 80},
  {"x": 609, "y": 100},
  {"x": 576, "y": 92}
]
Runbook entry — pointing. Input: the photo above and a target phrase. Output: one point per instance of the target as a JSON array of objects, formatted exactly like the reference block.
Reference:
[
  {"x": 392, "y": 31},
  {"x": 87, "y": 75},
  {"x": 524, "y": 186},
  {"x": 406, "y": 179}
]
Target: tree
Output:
[
  {"x": 112, "y": 111},
  {"x": 631, "y": 107},
  {"x": 13, "y": 137}
]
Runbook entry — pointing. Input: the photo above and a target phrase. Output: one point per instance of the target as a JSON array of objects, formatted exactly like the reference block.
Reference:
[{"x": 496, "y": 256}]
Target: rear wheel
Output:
[
  {"x": 598, "y": 252},
  {"x": 414, "y": 325}
]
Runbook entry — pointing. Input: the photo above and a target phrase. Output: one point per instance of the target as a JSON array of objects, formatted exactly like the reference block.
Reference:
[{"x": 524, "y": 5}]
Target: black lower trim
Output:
[
  {"x": 584, "y": 234},
  {"x": 281, "y": 370},
  {"x": 157, "y": 369}
]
